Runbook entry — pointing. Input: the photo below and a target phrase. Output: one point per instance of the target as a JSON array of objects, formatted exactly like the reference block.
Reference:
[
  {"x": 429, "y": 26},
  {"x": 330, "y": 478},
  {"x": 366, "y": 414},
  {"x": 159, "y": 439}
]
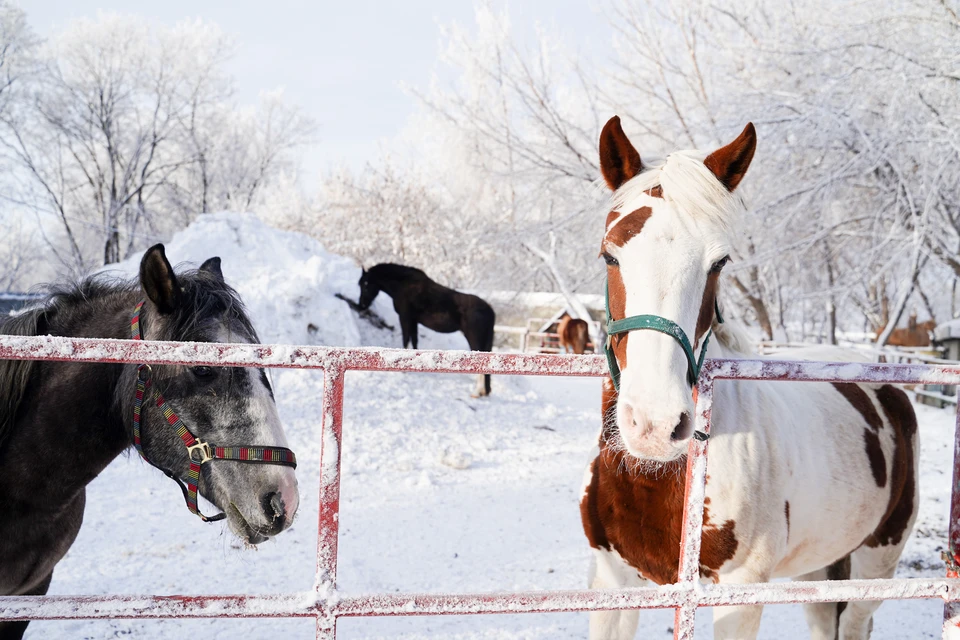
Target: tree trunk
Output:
[
  {"x": 111, "y": 250},
  {"x": 926, "y": 302},
  {"x": 909, "y": 285},
  {"x": 953, "y": 298},
  {"x": 831, "y": 301},
  {"x": 758, "y": 305}
]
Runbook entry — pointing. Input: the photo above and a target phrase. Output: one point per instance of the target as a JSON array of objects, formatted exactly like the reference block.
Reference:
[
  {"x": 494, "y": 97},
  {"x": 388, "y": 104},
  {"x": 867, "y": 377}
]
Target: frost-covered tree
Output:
[
  {"x": 129, "y": 129},
  {"x": 853, "y": 191},
  {"x": 237, "y": 152}
]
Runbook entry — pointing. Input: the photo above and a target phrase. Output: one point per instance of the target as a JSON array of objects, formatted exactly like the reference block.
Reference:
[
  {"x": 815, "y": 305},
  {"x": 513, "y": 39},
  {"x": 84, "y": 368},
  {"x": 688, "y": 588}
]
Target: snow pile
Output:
[{"x": 288, "y": 282}]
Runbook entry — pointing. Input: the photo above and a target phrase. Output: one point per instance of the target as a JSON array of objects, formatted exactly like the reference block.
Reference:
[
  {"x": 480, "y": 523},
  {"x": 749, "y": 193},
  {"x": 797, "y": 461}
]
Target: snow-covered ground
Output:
[{"x": 441, "y": 492}]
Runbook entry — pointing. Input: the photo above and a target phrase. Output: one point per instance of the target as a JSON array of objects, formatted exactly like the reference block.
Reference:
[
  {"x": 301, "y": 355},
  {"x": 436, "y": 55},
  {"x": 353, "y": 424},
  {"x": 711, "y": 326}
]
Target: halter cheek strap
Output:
[
  {"x": 655, "y": 323},
  {"x": 198, "y": 451}
]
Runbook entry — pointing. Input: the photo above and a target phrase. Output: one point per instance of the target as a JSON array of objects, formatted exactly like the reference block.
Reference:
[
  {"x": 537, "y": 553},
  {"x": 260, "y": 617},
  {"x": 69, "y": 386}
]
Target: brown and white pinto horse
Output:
[
  {"x": 574, "y": 334},
  {"x": 807, "y": 480}
]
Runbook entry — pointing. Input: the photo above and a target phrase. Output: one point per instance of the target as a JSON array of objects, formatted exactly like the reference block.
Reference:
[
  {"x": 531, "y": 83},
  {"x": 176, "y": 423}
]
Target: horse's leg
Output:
[
  {"x": 822, "y": 617},
  {"x": 408, "y": 327},
  {"x": 856, "y": 619},
  {"x": 15, "y": 630},
  {"x": 481, "y": 389},
  {"x": 488, "y": 346},
  {"x": 880, "y": 561},
  {"x": 739, "y": 622},
  {"x": 609, "y": 571},
  {"x": 480, "y": 340}
]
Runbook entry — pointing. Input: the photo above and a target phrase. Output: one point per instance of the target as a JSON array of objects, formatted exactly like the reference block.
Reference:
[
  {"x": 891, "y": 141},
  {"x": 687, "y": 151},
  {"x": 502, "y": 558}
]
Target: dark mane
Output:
[
  {"x": 14, "y": 374},
  {"x": 389, "y": 271},
  {"x": 205, "y": 298}
]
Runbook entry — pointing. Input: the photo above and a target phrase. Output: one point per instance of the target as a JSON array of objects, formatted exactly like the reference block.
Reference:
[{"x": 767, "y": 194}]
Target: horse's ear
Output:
[
  {"x": 730, "y": 163},
  {"x": 619, "y": 161},
  {"x": 212, "y": 266},
  {"x": 158, "y": 279}
]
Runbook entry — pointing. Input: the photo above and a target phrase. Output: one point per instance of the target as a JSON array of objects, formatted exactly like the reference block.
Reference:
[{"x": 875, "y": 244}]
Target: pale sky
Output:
[{"x": 343, "y": 61}]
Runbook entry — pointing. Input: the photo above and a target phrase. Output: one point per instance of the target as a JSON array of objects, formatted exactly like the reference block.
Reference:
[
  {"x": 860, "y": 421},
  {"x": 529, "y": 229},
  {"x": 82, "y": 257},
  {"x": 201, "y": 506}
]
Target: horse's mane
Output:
[
  {"x": 687, "y": 184},
  {"x": 204, "y": 295},
  {"x": 391, "y": 270},
  {"x": 14, "y": 374},
  {"x": 732, "y": 335}
]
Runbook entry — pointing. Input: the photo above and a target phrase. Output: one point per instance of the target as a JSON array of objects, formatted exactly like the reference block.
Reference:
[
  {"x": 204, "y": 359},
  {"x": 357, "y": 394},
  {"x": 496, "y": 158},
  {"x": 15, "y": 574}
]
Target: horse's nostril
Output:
[
  {"x": 684, "y": 428},
  {"x": 273, "y": 506}
]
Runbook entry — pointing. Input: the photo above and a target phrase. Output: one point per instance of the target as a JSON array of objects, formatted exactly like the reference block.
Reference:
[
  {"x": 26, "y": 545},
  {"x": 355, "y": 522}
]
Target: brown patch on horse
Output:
[
  {"x": 619, "y": 160},
  {"x": 878, "y": 463},
  {"x": 617, "y": 296},
  {"x": 856, "y": 396},
  {"x": 641, "y": 516},
  {"x": 592, "y": 525},
  {"x": 707, "y": 305},
  {"x": 655, "y": 192},
  {"x": 625, "y": 229},
  {"x": 860, "y": 401},
  {"x": 786, "y": 512},
  {"x": 899, "y": 413},
  {"x": 723, "y": 542},
  {"x": 613, "y": 215},
  {"x": 628, "y": 227}
]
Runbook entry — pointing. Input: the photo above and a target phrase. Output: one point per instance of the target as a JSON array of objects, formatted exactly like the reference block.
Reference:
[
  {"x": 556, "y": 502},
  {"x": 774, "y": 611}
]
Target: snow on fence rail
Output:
[{"x": 325, "y": 604}]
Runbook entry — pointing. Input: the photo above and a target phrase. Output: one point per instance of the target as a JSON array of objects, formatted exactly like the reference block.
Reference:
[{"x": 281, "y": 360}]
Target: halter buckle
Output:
[{"x": 202, "y": 448}]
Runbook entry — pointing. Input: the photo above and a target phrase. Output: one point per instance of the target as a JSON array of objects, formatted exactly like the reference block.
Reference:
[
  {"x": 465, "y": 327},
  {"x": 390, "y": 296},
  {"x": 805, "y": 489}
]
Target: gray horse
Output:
[{"x": 62, "y": 423}]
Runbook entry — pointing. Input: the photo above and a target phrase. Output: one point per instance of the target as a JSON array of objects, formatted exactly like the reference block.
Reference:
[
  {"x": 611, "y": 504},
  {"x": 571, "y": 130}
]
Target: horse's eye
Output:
[
  {"x": 719, "y": 264},
  {"x": 610, "y": 260},
  {"x": 202, "y": 372}
]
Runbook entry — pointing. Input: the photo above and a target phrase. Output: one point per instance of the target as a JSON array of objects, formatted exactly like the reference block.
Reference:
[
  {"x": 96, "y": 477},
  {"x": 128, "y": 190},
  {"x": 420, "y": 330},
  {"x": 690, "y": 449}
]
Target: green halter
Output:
[{"x": 654, "y": 323}]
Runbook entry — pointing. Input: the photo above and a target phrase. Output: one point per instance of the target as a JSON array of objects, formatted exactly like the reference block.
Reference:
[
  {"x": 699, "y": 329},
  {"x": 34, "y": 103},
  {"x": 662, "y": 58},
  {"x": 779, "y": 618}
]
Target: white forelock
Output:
[{"x": 689, "y": 186}]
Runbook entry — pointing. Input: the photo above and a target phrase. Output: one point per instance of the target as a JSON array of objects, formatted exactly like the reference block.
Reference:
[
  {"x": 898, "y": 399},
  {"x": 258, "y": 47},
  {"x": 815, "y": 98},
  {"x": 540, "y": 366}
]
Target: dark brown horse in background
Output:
[
  {"x": 574, "y": 334},
  {"x": 419, "y": 300}
]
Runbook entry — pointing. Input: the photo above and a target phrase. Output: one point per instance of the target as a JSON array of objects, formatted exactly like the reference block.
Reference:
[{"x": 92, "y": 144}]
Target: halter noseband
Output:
[
  {"x": 654, "y": 323},
  {"x": 198, "y": 451}
]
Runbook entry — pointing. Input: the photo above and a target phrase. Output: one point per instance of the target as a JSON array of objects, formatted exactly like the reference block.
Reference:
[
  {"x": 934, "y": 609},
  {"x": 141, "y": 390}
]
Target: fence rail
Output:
[{"x": 325, "y": 604}]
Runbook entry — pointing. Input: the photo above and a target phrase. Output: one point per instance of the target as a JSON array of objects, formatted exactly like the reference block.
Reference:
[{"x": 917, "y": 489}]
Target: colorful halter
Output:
[
  {"x": 198, "y": 451},
  {"x": 654, "y": 323}
]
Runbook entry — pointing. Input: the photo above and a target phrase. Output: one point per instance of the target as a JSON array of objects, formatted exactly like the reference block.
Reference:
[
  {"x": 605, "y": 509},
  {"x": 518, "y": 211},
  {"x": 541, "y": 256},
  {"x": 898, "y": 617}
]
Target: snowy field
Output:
[{"x": 441, "y": 492}]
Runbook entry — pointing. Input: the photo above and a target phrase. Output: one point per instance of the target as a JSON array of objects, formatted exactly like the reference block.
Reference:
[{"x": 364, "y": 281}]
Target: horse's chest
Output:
[
  {"x": 640, "y": 516},
  {"x": 32, "y": 543}
]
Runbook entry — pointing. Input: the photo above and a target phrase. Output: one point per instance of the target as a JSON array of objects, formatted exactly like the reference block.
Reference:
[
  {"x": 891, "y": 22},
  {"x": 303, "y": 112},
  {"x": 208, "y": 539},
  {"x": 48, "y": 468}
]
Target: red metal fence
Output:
[{"x": 325, "y": 604}]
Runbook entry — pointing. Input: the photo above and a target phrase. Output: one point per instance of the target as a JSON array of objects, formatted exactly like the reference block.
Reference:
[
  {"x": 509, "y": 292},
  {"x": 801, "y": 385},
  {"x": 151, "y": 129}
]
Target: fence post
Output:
[
  {"x": 329, "y": 521},
  {"x": 951, "y": 610},
  {"x": 688, "y": 572}
]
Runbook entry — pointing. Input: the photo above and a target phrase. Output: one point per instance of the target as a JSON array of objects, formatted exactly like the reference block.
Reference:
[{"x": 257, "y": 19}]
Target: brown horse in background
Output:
[
  {"x": 574, "y": 334},
  {"x": 915, "y": 335}
]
